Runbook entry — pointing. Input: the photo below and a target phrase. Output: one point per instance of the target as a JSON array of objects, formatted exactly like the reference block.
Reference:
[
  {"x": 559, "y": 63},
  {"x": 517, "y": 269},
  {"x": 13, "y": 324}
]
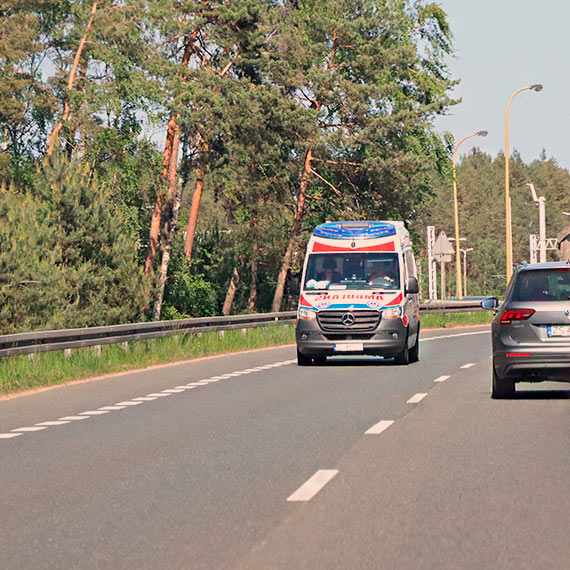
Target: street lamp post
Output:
[
  {"x": 465, "y": 252},
  {"x": 458, "y": 289},
  {"x": 459, "y": 265},
  {"x": 536, "y": 87}
]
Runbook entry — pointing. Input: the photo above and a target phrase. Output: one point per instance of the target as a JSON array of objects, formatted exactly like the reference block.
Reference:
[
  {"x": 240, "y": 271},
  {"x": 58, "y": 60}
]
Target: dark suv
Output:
[{"x": 531, "y": 328}]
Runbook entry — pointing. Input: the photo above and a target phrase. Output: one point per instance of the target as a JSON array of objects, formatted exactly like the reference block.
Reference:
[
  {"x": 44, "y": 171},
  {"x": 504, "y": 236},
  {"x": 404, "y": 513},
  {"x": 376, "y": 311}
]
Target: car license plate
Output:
[
  {"x": 558, "y": 330},
  {"x": 349, "y": 347}
]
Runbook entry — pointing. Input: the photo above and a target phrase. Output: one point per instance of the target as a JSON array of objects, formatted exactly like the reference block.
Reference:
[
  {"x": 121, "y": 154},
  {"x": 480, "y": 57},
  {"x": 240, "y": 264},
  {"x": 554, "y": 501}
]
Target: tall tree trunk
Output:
[
  {"x": 169, "y": 146},
  {"x": 229, "y": 300},
  {"x": 157, "y": 210},
  {"x": 166, "y": 251},
  {"x": 252, "y": 300},
  {"x": 171, "y": 209},
  {"x": 52, "y": 139},
  {"x": 193, "y": 217},
  {"x": 293, "y": 233}
]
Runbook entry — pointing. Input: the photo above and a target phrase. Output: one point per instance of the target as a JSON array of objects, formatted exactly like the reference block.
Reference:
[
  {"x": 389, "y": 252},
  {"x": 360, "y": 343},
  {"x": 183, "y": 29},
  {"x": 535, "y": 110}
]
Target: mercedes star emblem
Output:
[{"x": 348, "y": 319}]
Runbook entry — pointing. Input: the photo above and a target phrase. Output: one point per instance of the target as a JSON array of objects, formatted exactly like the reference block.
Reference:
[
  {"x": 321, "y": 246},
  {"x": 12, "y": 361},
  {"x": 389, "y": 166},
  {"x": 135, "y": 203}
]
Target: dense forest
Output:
[
  {"x": 162, "y": 159},
  {"x": 481, "y": 190}
]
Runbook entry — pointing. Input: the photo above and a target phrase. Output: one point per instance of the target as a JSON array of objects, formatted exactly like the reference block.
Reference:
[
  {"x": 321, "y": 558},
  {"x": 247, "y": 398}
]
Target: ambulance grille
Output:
[{"x": 364, "y": 320}]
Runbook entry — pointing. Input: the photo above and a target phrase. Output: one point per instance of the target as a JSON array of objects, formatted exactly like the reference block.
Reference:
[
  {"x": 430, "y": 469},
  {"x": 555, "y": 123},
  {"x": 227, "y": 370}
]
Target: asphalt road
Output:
[{"x": 249, "y": 462}]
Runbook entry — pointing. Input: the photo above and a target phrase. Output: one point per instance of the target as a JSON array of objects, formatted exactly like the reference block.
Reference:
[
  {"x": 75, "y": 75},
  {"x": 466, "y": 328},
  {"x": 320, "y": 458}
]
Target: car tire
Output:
[
  {"x": 403, "y": 357},
  {"x": 320, "y": 360},
  {"x": 303, "y": 360},
  {"x": 415, "y": 350},
  {"x": 502, "y": 387}
]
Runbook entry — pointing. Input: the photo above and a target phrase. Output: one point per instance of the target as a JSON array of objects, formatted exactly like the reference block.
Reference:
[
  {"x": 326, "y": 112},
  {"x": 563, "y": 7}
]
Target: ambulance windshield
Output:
[{"x": 378, "y": 271}]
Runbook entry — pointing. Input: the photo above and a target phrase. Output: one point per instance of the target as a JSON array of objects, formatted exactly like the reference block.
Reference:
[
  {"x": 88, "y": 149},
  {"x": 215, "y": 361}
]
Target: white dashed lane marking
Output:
[
  {"x": 441, "y": 379},
  {"x": 379, "y": 427},
  {"x": 468, "y": 365},
  {"x": 416, "y": 398},
  {"x": 313, "y": 485},
  {"x": 74, "y": 418},
  {"x": 140, "y": 400}
]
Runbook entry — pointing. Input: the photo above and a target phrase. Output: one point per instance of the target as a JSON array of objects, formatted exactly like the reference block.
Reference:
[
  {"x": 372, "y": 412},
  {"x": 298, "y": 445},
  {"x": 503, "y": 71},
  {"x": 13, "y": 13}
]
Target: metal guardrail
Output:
[{"x": 44, "y": 341}]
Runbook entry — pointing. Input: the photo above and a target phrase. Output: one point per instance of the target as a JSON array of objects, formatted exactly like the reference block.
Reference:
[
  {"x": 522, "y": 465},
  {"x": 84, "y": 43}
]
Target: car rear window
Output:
[{"x": 543, "y": 285}]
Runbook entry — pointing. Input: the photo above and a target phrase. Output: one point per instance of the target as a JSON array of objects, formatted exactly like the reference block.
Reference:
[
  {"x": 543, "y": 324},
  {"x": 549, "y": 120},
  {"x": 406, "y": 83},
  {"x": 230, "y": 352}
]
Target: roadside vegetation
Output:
[
  {"x": 162, "y": 159},
  {"x": 20, "y": 373},
  {"x": 165, "y": 159}
]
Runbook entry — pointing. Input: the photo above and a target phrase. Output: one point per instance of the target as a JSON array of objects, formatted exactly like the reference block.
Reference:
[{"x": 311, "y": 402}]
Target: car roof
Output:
[{"x": 547, "y": 265}]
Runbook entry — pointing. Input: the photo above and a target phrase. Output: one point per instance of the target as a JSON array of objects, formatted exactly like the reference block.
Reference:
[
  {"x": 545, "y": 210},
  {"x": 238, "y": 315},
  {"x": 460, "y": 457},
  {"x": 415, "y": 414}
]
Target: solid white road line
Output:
[
  {"x": 37, "y": 428},
  {"x": 416, "y": 398},
  {"x": 311, "y": 487},
  {"x": 54, "y": 423},
  {"x": 441, "y": 379},
  {"x": 468, "y": 365},
  {"x": 454, "y": 335},
  {"x": 379, "y": 427},
  {"x": 9, "y": 435},
  {"x": 129, "y": 403},
  {"x": 74, "y": 418}
]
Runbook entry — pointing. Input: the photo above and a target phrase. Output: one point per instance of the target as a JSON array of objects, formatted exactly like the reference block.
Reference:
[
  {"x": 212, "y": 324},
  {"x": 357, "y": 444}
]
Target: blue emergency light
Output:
[{"x": 354, "y": 230}]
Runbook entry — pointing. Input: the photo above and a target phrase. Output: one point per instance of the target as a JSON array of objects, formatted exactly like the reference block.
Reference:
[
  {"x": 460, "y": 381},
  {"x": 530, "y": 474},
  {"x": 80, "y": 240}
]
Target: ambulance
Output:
[{"x": 359, "y": 293}]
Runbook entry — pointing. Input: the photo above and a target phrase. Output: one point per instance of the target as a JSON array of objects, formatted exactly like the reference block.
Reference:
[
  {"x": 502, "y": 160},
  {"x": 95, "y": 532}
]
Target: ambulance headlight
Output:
[
  {"x": 393, "y": 313},
  {"x": 306, "y": 314}
]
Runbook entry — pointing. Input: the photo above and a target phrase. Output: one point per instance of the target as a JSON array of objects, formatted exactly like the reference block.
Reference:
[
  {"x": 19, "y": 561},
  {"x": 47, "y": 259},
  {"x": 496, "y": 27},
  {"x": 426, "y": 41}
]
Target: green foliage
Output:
[
  {"x": 481, "y": 190},
  {"x": 189, "y": 296},
  {"x": 357, "y": 81},
  {"x": 66, "y": 259}
]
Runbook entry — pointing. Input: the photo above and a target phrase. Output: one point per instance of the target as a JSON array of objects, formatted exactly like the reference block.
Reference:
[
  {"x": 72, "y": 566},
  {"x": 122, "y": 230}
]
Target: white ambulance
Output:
[{"x": 359, "y": 293}]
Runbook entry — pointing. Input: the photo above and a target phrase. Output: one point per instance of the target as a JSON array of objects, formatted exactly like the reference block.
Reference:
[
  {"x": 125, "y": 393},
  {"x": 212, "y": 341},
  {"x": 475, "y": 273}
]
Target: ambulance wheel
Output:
[
  {"x": 403, "y": 357},
  {"x": 303, "y": 360},
  {"x": 415, "y": 350}
]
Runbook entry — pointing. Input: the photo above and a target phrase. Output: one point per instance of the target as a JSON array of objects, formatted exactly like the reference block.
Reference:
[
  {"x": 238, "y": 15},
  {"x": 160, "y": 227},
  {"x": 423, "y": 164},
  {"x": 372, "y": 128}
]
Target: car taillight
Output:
[{"x": 511, "y": 315}]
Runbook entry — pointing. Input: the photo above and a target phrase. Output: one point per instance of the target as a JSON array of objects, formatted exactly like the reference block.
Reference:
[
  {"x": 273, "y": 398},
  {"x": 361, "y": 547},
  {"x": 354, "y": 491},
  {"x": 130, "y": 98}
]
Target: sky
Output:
[{"x": 501, "y": 46}]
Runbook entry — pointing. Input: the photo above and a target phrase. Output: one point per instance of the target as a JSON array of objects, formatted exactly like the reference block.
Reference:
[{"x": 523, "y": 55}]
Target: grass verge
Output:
[
  {"x": 447, "y": 320},
  {"x": 19, "y": 373}
]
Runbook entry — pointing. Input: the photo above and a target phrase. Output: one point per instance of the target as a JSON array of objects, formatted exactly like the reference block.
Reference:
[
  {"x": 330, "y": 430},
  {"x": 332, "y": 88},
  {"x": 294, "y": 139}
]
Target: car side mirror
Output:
[
  {"x": 490, "y": 304},
  {"x": 412, "y": 287}
]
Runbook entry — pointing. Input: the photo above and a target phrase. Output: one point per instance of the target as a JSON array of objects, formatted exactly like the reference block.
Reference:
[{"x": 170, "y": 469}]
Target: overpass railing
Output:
[{"x": 64, "y": 339}]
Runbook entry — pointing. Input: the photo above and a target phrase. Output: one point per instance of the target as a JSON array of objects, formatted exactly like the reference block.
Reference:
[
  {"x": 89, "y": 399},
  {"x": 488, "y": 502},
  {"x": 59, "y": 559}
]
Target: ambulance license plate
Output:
[{"x": 349, "y": 347}]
